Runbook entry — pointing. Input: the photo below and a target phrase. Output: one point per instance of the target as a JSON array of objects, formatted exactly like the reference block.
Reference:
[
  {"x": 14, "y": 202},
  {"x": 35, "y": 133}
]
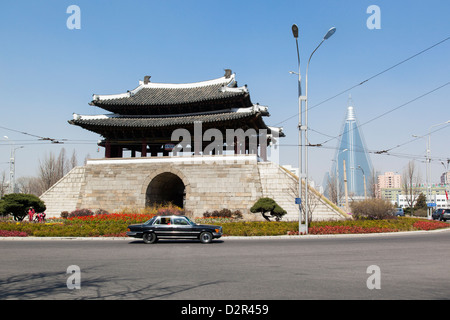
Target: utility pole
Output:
[{"x": 346, "y": 190}]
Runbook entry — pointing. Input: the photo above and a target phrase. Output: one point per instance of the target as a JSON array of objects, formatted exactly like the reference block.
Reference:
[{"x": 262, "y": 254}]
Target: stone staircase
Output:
[
  {"x": 64, "y": 195},
  {"x": 282, "y": 186}
]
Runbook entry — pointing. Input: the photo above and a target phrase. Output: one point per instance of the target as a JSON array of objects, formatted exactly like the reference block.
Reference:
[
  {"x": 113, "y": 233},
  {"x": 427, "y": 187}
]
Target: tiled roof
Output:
[
  {"x": 153, "y": 122},
  {"x": 159, "y": 94}
]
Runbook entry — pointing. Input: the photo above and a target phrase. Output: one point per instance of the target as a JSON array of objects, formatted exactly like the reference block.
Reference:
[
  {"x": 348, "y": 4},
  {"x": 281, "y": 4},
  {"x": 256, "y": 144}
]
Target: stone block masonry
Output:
[{"x": 200, "y": 183}]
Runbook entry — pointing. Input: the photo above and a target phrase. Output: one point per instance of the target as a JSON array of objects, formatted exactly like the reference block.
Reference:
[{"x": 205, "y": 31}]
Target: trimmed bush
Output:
[
  {"x": 268, "y": 205},
  {"x": 18, "y": 204}
]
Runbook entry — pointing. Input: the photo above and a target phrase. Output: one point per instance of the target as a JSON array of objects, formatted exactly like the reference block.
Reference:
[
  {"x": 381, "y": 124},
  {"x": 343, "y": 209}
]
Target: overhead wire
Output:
[
  {"x": 388, "y": 112},
  {"x": 370, "y": 78}
]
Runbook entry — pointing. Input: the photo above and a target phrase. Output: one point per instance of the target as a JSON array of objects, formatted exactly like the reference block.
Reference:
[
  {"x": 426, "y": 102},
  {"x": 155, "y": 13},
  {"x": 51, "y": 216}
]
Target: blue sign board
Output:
[
  {"x": 431, "y": 204},
  {"x": 298, "y": 201}
]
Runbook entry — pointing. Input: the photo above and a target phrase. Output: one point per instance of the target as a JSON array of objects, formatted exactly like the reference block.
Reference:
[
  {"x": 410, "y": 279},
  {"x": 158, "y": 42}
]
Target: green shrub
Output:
[
  {"x": 18, "y": 205},
  {"x": 268, "y": 205}
]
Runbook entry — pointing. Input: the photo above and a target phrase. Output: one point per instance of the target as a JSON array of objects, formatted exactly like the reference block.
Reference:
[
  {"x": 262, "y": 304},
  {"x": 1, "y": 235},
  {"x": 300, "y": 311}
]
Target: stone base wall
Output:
[{"x": 211, "y": 183}]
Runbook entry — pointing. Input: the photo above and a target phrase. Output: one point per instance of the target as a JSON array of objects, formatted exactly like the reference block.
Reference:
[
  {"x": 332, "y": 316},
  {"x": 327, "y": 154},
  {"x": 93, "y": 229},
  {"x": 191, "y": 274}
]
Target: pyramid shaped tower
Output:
[{"x": 352, "y": 149}]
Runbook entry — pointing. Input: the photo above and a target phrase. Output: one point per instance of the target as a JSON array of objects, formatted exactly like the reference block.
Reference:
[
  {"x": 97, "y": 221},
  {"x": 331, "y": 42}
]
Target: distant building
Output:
[
  {"x": 390, "y": 194},
  {"x": 388, "y": 180},
  {"x": 352, "y": 149},
  {"x": 438, "y": 196}
]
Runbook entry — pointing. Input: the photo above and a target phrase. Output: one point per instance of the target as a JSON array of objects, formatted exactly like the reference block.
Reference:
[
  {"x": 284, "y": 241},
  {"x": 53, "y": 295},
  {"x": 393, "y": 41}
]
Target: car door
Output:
[
  {"x": 183, "y": 228},
  {"x": 163, "y": 227}
]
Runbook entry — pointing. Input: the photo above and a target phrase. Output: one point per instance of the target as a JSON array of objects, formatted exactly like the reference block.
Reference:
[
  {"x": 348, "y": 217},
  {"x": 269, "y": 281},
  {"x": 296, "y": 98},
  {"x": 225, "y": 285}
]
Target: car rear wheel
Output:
[
  {"x": 205, "y": 237},
  {"x": 149, "y": 238}
]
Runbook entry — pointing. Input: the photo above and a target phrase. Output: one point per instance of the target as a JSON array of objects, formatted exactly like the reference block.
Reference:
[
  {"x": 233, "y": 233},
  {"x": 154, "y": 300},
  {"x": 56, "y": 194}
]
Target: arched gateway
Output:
[
  {"x": 166, "y": 185},
  {"x": 166, "y": 188}
]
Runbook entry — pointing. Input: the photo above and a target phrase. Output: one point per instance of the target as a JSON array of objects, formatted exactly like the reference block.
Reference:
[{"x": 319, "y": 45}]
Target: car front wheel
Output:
[
  {"x": 149, "y": 238},
  {"x": 205, "y": 237}
]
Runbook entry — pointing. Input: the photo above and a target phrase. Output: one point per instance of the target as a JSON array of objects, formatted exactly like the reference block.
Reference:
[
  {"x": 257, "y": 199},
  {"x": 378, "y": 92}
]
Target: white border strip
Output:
[{"x": 191, "y": 159}]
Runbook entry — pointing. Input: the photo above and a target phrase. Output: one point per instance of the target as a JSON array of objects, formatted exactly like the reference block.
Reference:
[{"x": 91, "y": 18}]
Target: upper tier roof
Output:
[{"x": 162, "y": 98}]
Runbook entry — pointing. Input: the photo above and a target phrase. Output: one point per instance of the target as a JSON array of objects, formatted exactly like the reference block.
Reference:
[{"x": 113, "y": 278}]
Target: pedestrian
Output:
[{"x": 31, "y": 213}]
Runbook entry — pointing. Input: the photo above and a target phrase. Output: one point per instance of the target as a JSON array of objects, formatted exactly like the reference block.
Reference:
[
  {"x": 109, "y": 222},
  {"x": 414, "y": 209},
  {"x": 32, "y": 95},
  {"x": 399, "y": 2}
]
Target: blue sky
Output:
[{"x": 48, "y": 71}]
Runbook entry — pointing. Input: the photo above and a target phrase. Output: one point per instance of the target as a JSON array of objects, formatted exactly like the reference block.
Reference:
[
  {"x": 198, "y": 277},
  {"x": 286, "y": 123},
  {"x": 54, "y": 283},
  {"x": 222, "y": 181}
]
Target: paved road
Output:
[{"x": 413, "y": 266}]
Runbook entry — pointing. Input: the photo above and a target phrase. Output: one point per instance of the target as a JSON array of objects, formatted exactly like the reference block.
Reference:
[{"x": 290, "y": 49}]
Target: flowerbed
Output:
[
  {"x": 429, "y": 225},
  {"x": 372, "y": 226},
  {"x": 115, "y": 225},
  {"x": 104, "y": 225},
  {"x": 13, "y": 233},
  {"x": 344, "y": 230}
]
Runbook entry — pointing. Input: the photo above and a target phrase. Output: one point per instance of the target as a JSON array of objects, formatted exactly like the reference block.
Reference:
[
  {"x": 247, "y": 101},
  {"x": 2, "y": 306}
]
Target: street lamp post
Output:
[
  {"x": 429, "y": 211},
  {"x": 329, "y": 33},
  {"x": 301, "y": 226},
  {"x": 338, "y": 191},
  {"x": 364, "y": 178},
  {"x": 446, "y": 181},
  {"x": 12, "y": 166},
  {"x": 428, "y": 169},
  {"x": 12, "y": 169}
]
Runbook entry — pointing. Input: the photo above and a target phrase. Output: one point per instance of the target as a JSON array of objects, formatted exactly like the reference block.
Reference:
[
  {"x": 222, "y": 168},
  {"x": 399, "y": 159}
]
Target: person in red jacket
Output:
[{"x": 31, "y": 213}]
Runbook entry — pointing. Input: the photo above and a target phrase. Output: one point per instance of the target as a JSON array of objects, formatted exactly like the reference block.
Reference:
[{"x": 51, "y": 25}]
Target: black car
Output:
[
  {"x": 445, "y": 215},
  {"x": 173, "y": 227},
  {"x": 437, "y": 214}
]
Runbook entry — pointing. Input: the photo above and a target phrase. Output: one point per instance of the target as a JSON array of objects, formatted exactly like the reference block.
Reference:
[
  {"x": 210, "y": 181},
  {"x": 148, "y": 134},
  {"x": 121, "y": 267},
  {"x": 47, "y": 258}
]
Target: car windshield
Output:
[
  {"x": 190, "y": 221},
  {"x": 150, "y": 221}
]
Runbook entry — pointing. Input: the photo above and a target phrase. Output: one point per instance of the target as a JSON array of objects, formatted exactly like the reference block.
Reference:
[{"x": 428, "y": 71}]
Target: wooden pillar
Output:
[
  {"x": 144, "y": 149},
  {"x": 107, "y": 149}
]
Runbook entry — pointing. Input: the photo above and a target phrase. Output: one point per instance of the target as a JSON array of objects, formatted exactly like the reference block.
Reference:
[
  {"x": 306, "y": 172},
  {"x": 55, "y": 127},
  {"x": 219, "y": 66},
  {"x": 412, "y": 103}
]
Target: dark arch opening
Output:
[{"x": 166, "y": 188}]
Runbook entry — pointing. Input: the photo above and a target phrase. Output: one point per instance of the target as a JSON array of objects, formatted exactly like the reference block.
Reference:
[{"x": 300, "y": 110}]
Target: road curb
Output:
[{"x": 226, "y": 238}]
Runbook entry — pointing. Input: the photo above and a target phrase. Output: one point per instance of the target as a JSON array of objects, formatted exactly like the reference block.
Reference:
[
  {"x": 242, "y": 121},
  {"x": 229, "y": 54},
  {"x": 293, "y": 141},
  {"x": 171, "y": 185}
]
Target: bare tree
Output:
[
  {"x": 30, "y": 185},
  {"x": 73, "y": 160},
  {"x": 52, "y": 169},
  {"x": 332, "y": 188},
  {"x": 411, "y": 184}
]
